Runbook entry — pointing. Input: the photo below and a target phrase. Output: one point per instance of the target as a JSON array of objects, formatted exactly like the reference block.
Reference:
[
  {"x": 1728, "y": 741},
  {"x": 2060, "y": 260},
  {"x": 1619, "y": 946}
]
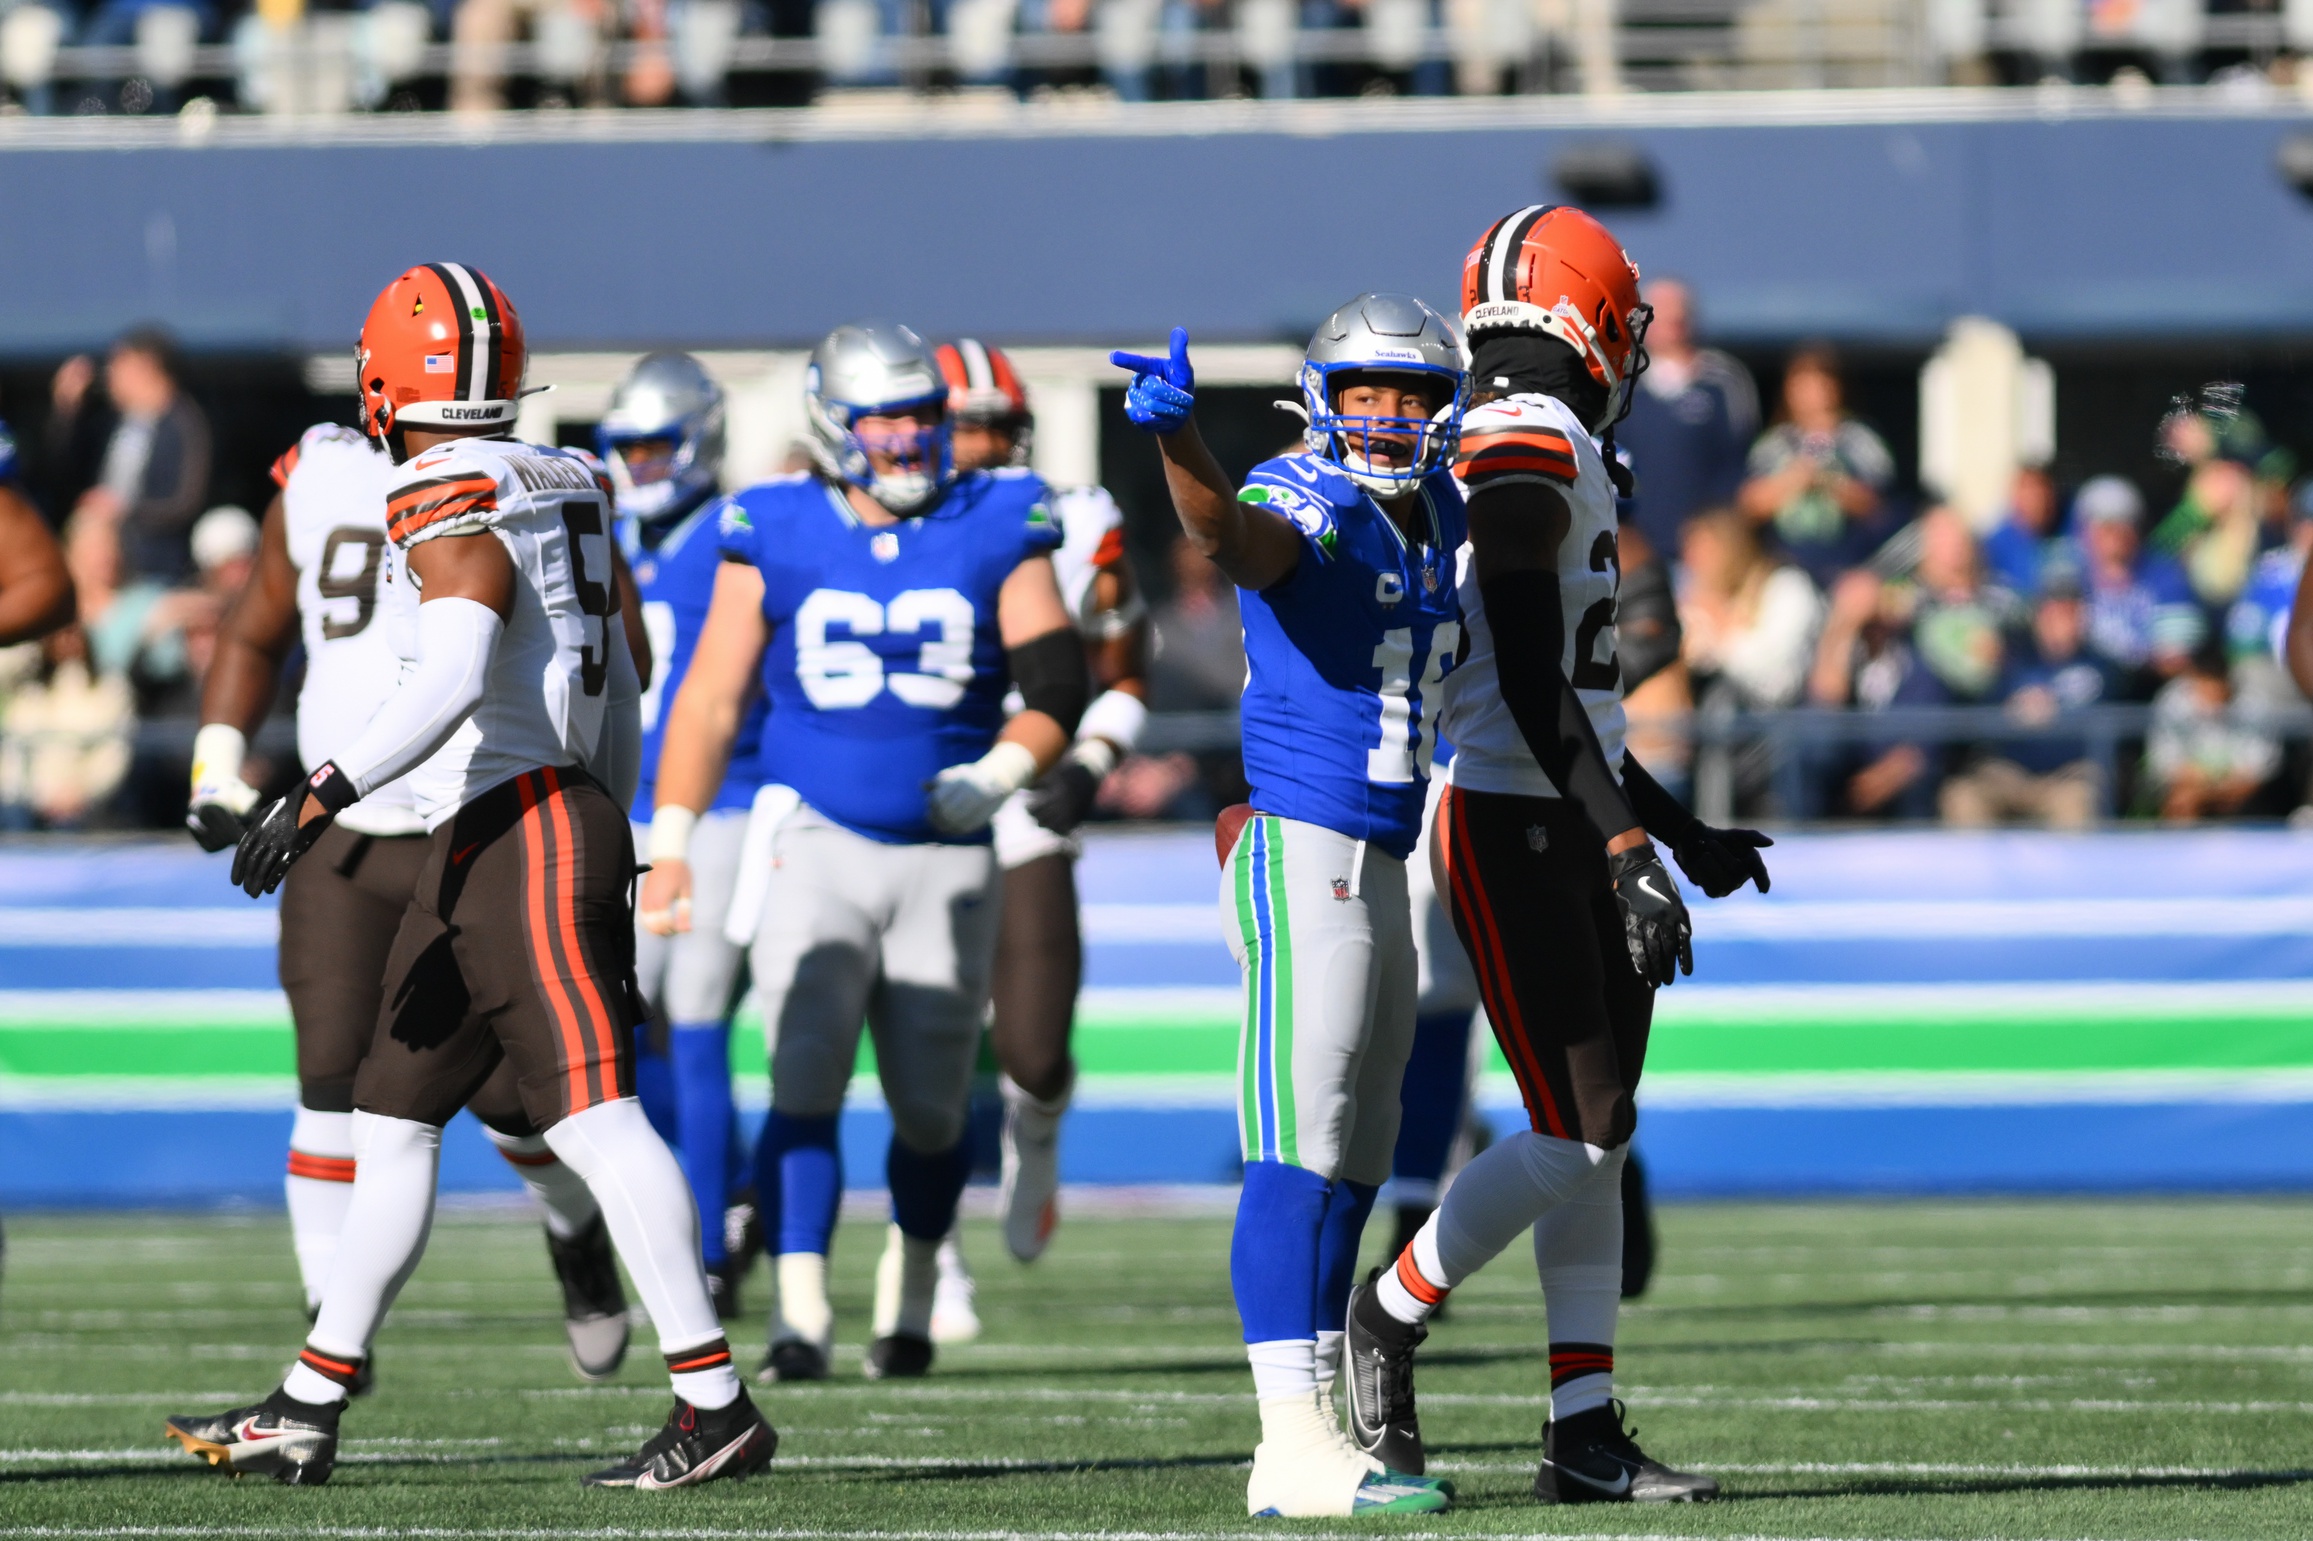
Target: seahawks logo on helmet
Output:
[{"x": 1310, "y": 518}]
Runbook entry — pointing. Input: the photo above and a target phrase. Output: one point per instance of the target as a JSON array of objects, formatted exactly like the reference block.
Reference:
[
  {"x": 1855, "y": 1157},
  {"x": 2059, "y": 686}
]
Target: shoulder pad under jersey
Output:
[{"x": 1517, "y": 439}]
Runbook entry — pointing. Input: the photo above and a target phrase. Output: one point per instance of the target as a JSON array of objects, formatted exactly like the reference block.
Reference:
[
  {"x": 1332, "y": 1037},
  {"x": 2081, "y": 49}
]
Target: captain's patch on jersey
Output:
[{"x": 733, "y": 519}]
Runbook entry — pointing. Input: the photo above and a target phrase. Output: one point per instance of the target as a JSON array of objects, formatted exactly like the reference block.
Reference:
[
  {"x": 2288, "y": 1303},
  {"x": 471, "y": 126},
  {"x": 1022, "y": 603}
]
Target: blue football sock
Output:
[
  {"x": 701, "y": 1053},
  {"x": 800, "y": 1162},
  {"x": 925, "y": 1189},
  {"x": 654, "y": 1088},
  {"x": 1346, "y": 1208},
  {"x": 1273, "y": 1254},
  {"x": 1435, "y": 1089}
]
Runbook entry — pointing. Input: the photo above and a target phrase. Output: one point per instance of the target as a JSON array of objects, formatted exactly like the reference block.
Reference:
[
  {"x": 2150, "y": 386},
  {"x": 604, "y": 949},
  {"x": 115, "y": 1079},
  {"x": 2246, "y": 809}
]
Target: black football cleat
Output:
[
  {"x": 1590, "y": 1459},
  {"x": 792, "y": 1359},
  {"x": 900, "y": 1356},
  {"x": 293, "y": 1442},
  {"x": 1378, "y": 1353},
  {"x": 729, "y": 1444},
  {"x": 593, "y": 1301}
]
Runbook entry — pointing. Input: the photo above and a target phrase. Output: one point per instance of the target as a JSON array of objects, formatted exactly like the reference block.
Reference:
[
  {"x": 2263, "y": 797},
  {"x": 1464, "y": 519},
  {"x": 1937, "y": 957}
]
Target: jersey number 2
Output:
[
  {"x": 582, "y": 519},
  {"x": 1590, "y": 672}
]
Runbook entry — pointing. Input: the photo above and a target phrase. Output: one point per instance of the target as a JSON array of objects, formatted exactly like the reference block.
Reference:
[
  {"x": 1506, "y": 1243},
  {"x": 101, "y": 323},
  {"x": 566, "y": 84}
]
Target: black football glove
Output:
[
  {"x": 1719, "y": 861},
  {"x": 1064, "y": 797},
  {"x": 1654, "y": 917},
  {"x": 275, "y": 841},
  {"x": 214, "y": 827}
]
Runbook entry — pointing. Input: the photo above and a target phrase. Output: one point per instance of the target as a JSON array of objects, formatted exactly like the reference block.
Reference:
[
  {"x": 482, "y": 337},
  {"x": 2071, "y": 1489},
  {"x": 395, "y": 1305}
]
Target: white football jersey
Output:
[
  {"x": 544, "y": 702},
  {"x": 1537, "y": 438},
  {"x": 358, "y": 621},
  {"x": 1091, "y": 538}
]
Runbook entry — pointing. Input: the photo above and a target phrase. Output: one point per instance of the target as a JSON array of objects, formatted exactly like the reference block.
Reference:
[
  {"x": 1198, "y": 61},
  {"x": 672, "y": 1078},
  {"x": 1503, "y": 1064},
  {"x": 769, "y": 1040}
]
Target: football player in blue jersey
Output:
[
  {"x": 884, "y": 604},
  {"x": 1343, "y": 560},
  {"x": 662, "y": 442}
]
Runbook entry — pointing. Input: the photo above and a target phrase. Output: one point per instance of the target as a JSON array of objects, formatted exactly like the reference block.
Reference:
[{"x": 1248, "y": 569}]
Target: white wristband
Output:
[
  {"x": 218, "y": 750},
  {"x": 1115, "y": 716},
  {"x": 671, "y": 827},
  {"x": 1009, "y": 764}
]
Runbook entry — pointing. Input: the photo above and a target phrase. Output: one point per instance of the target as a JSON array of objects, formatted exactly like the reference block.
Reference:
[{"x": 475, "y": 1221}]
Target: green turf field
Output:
[{"x": 2016, "y": 1371}]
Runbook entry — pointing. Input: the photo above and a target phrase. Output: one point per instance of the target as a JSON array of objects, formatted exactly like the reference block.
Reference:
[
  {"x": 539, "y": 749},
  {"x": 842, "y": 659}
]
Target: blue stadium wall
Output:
[
  {"x": 1906, "y": 1013},
  {"x": 1870, "y": 216}
]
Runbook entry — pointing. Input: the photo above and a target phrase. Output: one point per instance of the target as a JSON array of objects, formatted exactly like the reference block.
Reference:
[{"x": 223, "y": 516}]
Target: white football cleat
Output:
[
  {"x": 955, "y": 1308},
  {"x": 1030, "y": 1196},
  {"x": 1305, "y": 1468}
]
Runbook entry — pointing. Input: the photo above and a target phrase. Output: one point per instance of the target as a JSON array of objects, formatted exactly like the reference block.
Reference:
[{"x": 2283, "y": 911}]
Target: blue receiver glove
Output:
[{"x": 1163, "y": 391}]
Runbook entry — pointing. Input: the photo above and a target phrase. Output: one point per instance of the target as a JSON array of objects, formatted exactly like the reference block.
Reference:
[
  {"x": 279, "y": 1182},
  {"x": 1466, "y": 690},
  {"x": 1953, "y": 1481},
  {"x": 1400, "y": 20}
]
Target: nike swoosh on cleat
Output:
[{"x": 1618, "y": 1488}]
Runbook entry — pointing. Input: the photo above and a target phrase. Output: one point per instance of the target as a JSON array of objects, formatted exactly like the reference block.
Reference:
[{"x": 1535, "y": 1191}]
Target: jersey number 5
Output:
[{"x": 581, "y": 519}]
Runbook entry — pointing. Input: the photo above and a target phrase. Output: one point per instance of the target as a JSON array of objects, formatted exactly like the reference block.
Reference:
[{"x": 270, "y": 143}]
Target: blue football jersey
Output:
[
  {"x": 677, "y": 580},
  {"x": 1344, "y": 656},
  {"x": 885, "y": 665}
]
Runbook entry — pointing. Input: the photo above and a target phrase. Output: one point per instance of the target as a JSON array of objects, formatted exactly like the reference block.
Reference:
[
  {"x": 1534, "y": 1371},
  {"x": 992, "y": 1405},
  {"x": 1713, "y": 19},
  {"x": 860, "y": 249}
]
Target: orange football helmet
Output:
[
  {"x": 442, "y": 348},
  {"x": 982, "y": 384},
  {"x": 984, "y": 388},
  {"x": 1552, "y": 268}
]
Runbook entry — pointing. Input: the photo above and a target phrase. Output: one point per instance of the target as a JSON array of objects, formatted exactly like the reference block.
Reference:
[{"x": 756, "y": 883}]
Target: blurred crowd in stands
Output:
[
  {"x": 331, "y": 56},
  {"x": 126, "y": 474},
  {"x": 1772, "y": 565},
  {"x": 1795, "y": 625}
]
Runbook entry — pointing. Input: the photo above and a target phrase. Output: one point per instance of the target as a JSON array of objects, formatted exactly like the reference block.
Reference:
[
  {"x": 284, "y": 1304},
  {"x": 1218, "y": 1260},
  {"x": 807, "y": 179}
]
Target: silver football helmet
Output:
[
  {"x": 1393, "y": 334},
  {"x": 879, "y": 369},
  {"x": 666, "y": 398}
]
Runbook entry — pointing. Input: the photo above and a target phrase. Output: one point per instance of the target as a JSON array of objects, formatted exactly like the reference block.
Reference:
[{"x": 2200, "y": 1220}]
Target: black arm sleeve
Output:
[
  {"x": 1528, "y": 620},
  {"x": 1664, "y": 816},
  {"x": 1052, "y": 676}
]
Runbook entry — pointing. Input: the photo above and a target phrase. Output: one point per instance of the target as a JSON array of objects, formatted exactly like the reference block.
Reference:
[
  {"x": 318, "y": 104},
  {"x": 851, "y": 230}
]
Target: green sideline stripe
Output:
[{"x": 1200, "y": 1045}]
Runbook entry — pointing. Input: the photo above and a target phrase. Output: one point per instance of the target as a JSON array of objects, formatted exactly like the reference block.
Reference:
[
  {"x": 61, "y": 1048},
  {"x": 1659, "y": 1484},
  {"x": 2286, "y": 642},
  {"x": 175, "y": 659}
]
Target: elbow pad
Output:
[
  {"x": 456, "y": 638},
  {"x": 1527, "y": 617},
  {"x": 1052, "y": 677}
]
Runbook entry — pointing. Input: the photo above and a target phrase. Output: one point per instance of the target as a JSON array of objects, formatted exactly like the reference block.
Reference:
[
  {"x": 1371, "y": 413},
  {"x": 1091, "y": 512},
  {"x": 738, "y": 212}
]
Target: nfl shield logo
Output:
[
  {"x": 885, "y": 546},
  {"x": 1341, "y": 888}
]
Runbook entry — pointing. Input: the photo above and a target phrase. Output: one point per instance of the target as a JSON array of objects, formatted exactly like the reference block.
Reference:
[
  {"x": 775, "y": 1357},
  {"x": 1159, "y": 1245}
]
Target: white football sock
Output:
[
  {"x": 563, "y": 1199},
  {"x": 384, "y": 1236},
  {"x": 1578, "y": 1254},
  {"x": 319, "y": 1189},
  {"x": 803, "y": 1310},
  {"x": 1408, "y": 1288},
  {"x": 654, "y": 1223},
  {"x": 1283, "y": 1368},
  {"x": 1325, "y": 1360},
  {"x": 907, "y": 1282}
]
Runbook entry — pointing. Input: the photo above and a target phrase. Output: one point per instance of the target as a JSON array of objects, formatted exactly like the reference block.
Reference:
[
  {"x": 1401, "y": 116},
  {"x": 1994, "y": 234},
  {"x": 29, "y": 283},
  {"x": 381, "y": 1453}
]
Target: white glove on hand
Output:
[
  {"x": 218, "y": 811},
  {"x": 963, "y": 798}
]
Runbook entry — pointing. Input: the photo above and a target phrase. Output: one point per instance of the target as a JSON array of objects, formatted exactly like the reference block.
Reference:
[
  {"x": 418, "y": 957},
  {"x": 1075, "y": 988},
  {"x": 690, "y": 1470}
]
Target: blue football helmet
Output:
[
  {"x": 1387, "y": 334},
  {"x": 880, "y": 369},
  {"x": 667, "y": 399}
]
